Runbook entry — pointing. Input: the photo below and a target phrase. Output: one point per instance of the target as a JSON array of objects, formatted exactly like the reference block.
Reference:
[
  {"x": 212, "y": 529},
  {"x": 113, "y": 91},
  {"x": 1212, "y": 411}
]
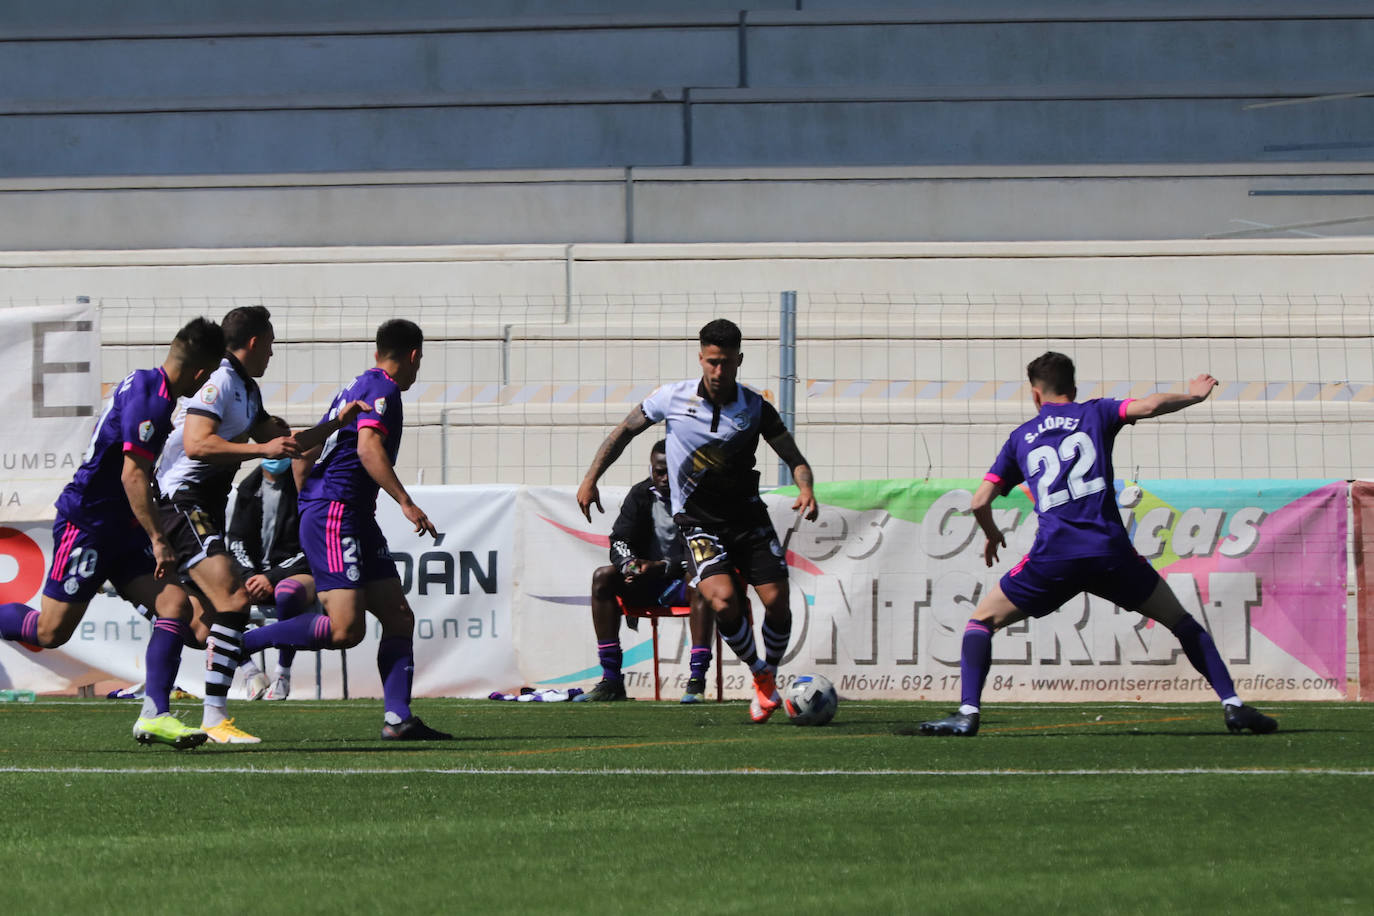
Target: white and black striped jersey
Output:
[
  {"x": 711, "y": 446},
  {"x": 231, "y": 397}
]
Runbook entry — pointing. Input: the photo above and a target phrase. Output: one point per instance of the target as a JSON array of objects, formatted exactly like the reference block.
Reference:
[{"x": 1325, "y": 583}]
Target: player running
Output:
[
  {"x": 344, "y": 545},
  {"x": 108, "y": 527},
  {"x": 223, "y": 425},
  {"x": 713, "y": 429},
  {"x": 1065, "y": 455}
]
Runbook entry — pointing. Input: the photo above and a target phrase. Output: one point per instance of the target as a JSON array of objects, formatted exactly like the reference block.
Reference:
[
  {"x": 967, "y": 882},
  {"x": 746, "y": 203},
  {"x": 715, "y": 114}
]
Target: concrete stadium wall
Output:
[
  {"x": 910, "y": 356},
  {"x": 682, "y": 205},
  {"x": 312, "y": 123},
  {"x": 782, "y": 89}
]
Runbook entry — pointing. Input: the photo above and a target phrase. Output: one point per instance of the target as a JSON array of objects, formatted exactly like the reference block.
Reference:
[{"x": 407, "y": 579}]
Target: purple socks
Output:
[
  {"x": 700, "y": 662},
  {"x": 163, "y": 658},
  {"x": 304, "y": 631},
  {"x": 975, "y": 658},
  {"x": 290, "y": 598},
  {"x": 19, "y": 623},
  {"x": 1202, "y": 653},
  {"x": 396, "y": 665},
  {"x": 610, "y": 656}
]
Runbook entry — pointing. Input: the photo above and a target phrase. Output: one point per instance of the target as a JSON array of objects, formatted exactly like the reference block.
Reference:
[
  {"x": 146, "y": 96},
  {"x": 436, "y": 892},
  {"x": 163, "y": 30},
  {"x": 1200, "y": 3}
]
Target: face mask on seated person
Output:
[{"x": 276, "y": 466}]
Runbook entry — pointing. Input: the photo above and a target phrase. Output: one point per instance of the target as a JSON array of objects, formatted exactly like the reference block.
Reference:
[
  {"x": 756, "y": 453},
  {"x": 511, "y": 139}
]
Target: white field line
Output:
[{"x": 634, "y": 771}]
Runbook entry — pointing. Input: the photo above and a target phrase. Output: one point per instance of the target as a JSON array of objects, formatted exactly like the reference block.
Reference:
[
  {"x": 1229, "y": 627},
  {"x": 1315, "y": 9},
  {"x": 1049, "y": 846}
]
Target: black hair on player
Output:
[
  {"x": 398, "y": 337},
  {"x": 244, "y": 323},
  {"x": 1053, "y": 372},
  {"x": 722, "y": 332},
  {"x": 200, "y": 342}
]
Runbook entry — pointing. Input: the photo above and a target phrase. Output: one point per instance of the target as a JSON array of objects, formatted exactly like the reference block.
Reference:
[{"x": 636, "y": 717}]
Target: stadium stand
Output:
[{"x": 307, "y": 123}]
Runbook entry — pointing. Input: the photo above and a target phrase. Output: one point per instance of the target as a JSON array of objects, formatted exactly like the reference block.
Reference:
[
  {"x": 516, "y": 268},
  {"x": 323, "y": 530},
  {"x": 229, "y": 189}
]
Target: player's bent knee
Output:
[
  {"x": 53, "y": 636},
  {"x": 604, "y": 582},
  {"x": 345, "y": 640}
]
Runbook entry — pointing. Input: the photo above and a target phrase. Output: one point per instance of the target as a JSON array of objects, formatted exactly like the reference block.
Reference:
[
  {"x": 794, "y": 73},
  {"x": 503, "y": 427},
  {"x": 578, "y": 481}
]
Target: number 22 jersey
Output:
[{"x": 1064, "y": 455}]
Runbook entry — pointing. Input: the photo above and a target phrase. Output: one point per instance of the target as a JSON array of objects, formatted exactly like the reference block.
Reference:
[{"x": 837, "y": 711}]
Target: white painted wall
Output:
[{"x": 1292, "y": 314}]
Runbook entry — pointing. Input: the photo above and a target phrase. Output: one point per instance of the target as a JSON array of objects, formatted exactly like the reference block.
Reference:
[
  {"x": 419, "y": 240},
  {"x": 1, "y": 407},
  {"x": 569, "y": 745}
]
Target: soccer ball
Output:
[{"x": 810, "y": 700}]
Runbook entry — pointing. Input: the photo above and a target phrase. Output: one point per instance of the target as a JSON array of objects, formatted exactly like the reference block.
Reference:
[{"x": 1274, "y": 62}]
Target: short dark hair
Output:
[
  {"x": 398, "y": 337},
  {"x": 244, "y": 323},
  {"x": 660, "y": 448},
  {"x": 1053, "y": 372},
  {"x": 722, "y": 332},
  {"x": 200, "y": 342}
]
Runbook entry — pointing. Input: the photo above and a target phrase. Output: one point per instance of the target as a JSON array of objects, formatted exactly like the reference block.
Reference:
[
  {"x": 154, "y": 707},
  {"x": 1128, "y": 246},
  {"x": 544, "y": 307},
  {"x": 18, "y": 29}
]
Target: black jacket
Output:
[
  {"x": 635, "y": 534},
  {"x": 245, "y": 531}
]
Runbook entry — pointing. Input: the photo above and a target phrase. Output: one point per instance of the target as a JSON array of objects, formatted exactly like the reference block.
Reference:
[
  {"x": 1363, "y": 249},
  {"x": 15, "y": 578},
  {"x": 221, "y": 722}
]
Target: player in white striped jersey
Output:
[
  {"x": 221, "y": 426},
  {"x": 713, "y": 429}
]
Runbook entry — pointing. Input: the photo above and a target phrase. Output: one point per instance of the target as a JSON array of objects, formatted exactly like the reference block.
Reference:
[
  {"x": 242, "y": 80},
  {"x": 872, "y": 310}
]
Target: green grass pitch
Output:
[{"x": 653, "y": 807}]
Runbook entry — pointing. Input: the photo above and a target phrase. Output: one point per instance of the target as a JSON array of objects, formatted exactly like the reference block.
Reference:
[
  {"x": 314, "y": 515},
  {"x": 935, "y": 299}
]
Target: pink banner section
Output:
[{"x": 1362, "y": 497}]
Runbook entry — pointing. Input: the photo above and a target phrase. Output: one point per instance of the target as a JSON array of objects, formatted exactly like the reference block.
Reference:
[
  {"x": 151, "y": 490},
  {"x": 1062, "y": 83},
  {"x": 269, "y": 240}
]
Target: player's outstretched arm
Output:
[
  {"x": 982, "y": 513},
  {"x": 1163, "y": 402},
  {"x": 302, "y": 466},
  {"x": 588, "y": 494},
  {"x": 787, "y": 449},
  {"x": 309, "y": 438},
  {"x": 202, "y": 441},
  {"x": 372, "y": 454},
  {"x": 137, "y": 477}
]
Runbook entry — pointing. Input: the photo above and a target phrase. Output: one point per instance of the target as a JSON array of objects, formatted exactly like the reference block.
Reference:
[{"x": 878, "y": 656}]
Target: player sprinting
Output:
[
  {"x": 1065, "y": 455},
  {"x": 713, "y": 430},
  {"x": 222, "y": 425},
  {"x": 108, "y": 528},
  {"x": 343, "y": 544}
]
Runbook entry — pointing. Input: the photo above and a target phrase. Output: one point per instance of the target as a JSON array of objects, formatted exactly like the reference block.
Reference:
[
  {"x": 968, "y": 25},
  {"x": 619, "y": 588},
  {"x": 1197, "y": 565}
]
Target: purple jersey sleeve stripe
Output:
[
  {"x": 369, "y": 422},
  {"x": 992, "y": 478},
  {"x": 139, "y": 450},
  {"x": 1124, "y": 405}
]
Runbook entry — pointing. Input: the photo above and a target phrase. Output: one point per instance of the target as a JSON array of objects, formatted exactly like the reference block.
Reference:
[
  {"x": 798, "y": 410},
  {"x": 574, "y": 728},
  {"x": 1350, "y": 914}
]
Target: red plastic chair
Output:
[{"x": 653, "y": 613}]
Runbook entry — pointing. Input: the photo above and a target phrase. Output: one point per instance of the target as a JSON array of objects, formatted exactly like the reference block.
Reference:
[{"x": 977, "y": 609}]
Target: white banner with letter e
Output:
[{"x": 51, "y": 354}]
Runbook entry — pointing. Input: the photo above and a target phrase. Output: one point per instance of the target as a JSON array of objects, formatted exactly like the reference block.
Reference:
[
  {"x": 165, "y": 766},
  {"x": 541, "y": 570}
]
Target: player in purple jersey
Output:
[
  {"x": 223, "y": 425},
  {"x": 108, "y": 528},
  {"x": 344, "y": 545},
  {"x": 1065, "y": 455},
  {"x": 714, "y": 425}
]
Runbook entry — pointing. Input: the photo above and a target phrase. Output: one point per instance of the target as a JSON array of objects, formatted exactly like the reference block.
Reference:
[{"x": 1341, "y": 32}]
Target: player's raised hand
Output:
[
  {"x": 416, "y": 516},
  {"x": 1202, "y": 386},
  {"x": 281, "y": 447},
  {"x": 350, "y": 411},
  {"x": 990, "y": 549},
  {"x": 587, "y": 496}
]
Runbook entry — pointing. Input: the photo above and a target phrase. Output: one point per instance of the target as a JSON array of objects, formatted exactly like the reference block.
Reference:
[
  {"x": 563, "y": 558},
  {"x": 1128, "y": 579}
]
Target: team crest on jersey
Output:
[
  {"x": 741, "y": 422},
  {"x": 379, "y": 406},
  {"x": 353, "y": 574},
  {"x": 71, "y": 586},
  {"x": 209, "y": 394},
  {"x": 145, "y": 430}
]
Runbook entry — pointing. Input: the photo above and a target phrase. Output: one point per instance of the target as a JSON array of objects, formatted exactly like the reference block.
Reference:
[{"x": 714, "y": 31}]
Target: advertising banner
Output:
[
  {"x": 459, "y": 586},
  {"x": 1362, "y": 502},
  {"x": 882, "y": 585},
  {"x": 51, "y": 356},
  {"x": 884, "y": 581}
]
